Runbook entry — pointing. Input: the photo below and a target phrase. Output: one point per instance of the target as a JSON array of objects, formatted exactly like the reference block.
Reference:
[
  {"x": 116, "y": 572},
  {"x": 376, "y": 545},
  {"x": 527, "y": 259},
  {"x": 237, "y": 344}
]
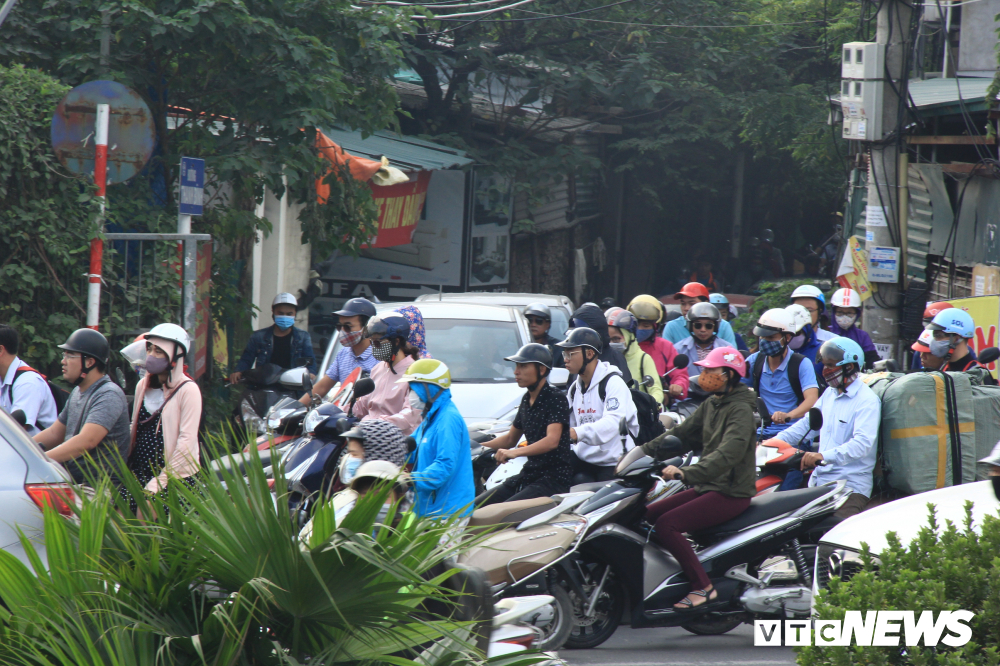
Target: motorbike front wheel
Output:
[{"x": 591, "y": 631}]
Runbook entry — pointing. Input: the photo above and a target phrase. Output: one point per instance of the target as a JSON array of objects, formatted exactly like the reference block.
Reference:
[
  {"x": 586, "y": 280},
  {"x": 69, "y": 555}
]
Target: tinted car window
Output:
[
  {"x": 474, "y": 350},
  {"x": 560, "y": 323}
]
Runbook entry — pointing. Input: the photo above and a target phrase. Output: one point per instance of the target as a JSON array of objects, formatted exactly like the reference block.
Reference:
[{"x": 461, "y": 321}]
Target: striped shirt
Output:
[{"x": 345, "y": 362}]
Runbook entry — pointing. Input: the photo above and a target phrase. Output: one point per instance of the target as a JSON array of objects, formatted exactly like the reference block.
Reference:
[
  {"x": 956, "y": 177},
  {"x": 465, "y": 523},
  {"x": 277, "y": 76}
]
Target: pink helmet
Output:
[{"x": 725, "y": 357}]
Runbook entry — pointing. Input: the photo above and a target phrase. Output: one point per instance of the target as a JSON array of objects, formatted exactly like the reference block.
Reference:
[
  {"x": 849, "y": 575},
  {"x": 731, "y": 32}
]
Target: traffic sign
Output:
[
  {"x": 192, "y": 185},
  {"x": 131, "y": 136}
]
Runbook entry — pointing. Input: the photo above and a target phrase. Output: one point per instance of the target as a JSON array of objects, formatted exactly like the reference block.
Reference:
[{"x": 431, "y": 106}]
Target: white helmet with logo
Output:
[
  {"x": 171, "y": 332},
  {"x": 775, "y": 320},
  {"x": 285, "y": 299},
  {"x": 800, "y": 316},
  {"x": 845, "y": 298}
]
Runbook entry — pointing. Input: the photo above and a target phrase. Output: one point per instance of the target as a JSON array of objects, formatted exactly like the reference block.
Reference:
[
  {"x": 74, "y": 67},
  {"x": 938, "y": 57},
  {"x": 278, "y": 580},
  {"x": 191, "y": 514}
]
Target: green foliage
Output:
[
  {"x": 216, "y": 574},
  {"x": 941, "y": 570}
]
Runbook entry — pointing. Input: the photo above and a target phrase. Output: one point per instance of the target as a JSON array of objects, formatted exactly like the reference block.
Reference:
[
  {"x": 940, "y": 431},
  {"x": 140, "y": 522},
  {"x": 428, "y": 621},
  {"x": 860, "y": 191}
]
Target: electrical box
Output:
[
  {"x": 883, "y": 264},
  {"x": 861, "y": 104},
  {"x": 862, "y": 60}
]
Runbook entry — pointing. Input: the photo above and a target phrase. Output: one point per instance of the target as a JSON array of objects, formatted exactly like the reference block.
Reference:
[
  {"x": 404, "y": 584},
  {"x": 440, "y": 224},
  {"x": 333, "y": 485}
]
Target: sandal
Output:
[{"x": 708, "y": 595}]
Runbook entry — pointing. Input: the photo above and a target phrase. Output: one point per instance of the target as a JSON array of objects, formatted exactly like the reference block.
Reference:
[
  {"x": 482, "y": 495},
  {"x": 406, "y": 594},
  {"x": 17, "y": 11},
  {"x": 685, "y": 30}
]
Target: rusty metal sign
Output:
[{"x": 131, "y": 136}]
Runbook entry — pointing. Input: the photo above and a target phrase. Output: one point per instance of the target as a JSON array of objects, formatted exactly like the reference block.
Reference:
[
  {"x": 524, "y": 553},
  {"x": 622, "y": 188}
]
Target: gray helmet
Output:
[
  {"x": 703, "y": 311},
  {"x": 532, "y": 353},
  {"x": 582, "y": 337},
  {"x": 88, "y": 342},
  {"x": 538, "y": 310}
]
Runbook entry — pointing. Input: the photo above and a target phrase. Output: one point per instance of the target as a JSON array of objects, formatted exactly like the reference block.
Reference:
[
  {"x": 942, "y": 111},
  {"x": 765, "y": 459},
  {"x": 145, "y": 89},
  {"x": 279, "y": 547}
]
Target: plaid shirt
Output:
[{"x": 345, "y": 361}]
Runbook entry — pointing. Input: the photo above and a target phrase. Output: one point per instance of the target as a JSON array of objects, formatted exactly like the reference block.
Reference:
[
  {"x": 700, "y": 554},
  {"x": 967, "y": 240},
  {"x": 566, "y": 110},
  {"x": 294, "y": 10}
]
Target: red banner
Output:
[{"x": 399, "y": 209}]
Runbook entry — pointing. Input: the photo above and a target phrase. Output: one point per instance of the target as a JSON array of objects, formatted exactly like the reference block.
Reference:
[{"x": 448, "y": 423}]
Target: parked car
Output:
[
  {"x": 562, "y": 308},
  {"x": 839, "y": 549},
  {"x": 28, "y": 481},
  {"x": 472, "y": 340}
]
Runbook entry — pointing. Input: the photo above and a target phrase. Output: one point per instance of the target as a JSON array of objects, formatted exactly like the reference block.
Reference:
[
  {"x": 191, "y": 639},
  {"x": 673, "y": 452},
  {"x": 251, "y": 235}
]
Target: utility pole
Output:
[{"x": 882, "y": 311}]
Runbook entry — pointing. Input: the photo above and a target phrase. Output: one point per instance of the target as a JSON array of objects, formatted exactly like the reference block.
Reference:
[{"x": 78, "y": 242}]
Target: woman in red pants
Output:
[{"x": 722, "y": 481}]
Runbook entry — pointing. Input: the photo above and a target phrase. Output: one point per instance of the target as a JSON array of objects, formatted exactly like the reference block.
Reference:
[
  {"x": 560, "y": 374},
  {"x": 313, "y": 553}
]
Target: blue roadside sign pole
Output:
[{"x": 192, "y": 180}]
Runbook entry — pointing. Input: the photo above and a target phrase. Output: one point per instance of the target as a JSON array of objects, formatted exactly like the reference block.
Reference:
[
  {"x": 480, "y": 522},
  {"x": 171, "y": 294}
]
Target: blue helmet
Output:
[
  {"x": 357, "y": 307},
  {"x": 808, "y": 291},
  {"x": 718, "y": 299},
  {"x": 388, "y": 326},
  {"x": 953, "y": 320},
  {"x": 842, "y": 351}
]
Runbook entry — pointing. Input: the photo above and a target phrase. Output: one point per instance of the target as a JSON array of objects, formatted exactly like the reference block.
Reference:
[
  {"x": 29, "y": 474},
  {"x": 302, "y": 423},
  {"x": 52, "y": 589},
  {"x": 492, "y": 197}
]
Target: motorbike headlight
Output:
[{"x": 312, "y": 420}]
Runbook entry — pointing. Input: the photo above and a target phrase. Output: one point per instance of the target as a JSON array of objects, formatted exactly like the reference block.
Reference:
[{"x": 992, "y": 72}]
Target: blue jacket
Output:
[
  {"x": 811, "y": 351},
  {"x": 443, "y": 472},
  {"x": 258, "y": 351},
  {"x": 676, "y": 330}
]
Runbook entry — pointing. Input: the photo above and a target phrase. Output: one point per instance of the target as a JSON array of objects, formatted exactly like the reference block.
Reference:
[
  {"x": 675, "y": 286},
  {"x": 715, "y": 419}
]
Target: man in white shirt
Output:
[
  {"x": 598, "y": 400},
  {"x": 22, "y": 387},
  {"x": 849, "y": 436}
]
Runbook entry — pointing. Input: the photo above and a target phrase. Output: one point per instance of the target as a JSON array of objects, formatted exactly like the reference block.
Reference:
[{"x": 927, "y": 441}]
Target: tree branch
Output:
[{"x": 36, "y": 244}]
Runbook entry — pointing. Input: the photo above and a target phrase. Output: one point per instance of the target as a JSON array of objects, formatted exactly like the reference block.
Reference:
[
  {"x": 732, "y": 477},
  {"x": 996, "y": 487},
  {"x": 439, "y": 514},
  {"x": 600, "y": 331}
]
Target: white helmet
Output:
[
  {"x": 845, "y": 298},
  {"x": 381, "y": 470},
  {"x": 800, "y": 316},
  {"x": 775, "y": 320},
  {"x": 807, "y": 291},
  {"x": 171, "y": 332},
  {"x": 283, "y": 299}
]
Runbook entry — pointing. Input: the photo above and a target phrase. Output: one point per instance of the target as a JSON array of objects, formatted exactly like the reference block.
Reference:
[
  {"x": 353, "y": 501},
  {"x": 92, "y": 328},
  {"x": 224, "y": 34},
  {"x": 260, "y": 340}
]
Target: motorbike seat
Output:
[
  {"x": 766, "y": 507},
  {"x": 591, "y": 486},
  {"x": 503, "y": 513}
]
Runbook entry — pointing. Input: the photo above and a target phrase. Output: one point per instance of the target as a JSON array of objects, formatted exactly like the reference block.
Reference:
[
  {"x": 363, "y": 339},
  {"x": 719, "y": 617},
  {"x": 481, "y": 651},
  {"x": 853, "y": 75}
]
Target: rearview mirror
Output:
[
  {"x": 765, "y": 416},
  {"x": 989, "y": 355},
  {"x": 647, "y": 381},
  {"x": 120, "y": 378},
  {"x": 363, "y": 386},
  {"x": 559, "y": 377},
  {"x": 411, "y": 444},
  {"x": 681, "y": 361},
  {"x": 815, "y": 419}
]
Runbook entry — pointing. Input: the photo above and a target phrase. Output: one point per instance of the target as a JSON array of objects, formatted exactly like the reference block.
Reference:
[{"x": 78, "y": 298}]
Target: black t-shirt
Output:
[
  {"x": 281, "y": 351},
  {"x": 550, "y": 407}
]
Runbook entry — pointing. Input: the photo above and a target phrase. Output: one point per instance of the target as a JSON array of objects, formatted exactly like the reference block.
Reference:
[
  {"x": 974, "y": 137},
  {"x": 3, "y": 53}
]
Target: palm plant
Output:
[{"x": 215, "y": 575}]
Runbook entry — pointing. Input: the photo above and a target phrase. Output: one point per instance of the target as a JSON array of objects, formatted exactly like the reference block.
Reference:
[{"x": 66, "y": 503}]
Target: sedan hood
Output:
[
  {"x": 908, "y": 515},
  {"x": 485, "y": 402}
]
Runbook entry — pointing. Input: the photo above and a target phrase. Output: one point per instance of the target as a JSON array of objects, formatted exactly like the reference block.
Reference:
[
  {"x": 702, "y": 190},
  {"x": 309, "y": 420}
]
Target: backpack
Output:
[
  {"x": 59, "y": 395},
  {"x": 646, "y": 407},
  {"x": 793, "y": 374}
]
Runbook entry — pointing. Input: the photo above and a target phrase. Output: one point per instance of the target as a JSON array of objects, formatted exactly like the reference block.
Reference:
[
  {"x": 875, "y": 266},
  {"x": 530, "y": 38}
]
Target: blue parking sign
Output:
[{"x": 192, "y": 185}]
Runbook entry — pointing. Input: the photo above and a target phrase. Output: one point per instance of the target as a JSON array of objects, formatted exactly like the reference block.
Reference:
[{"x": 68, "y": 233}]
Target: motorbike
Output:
[
  {"x": 756, "y": 561},
  {"x": 774, "y": 457},
  {"x": 266, "y": 386}
]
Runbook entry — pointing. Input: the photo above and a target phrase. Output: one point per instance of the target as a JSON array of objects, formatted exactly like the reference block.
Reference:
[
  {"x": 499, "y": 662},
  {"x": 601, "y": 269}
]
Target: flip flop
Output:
[{"x": 690, "y": 602}]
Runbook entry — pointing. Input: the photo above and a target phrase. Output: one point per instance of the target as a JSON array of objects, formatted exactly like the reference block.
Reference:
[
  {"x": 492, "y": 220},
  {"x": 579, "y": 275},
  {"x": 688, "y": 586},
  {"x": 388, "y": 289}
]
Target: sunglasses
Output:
[
  {"x": 537, "y": 320},
  {"x": 345, "y": 327},
  {"x": 698, "y": 326}
]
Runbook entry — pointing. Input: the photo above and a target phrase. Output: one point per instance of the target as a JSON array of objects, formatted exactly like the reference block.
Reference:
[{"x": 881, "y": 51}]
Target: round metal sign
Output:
[{"x": 131, "y": 137}]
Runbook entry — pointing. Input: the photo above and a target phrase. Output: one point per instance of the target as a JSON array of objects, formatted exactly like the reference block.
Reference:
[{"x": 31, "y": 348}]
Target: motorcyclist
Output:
[
  {"x": 725, "y": 309},
  {"x": 846, "y": 307},
  {"x": 703, "y": 321},
  {"x": 774, "y": 261},
  {"x": 622, "y": 327},
  {"x": 598, "y": 399},
  {"x": 442, "y": 461},
  {"x": 389, "y": 334},
  {"x": 649, "y": 315},
  {"x": 922, "y": 351},
  {"x": 22, "y": 387},
  {"x": 355, "y": 351},
  {"x": 704, "y": 276},
  {"x": 952, "y": 329},
  {"x": 722, "y": 481},
  {"x": 543, "y": 419},
  {"x": 929, "y": 313},
  {"x": 281, "y": 344},
  {"x": 805, "y": 340},
  {"x": 692, "y": 293},
  {"x": 590, "y": 316},
  {"x": 813, "y": 300},
  {"x": 849, "y": 436},
  {"x": 372, "y": 439},
  {"x": 539, "y": 318}
]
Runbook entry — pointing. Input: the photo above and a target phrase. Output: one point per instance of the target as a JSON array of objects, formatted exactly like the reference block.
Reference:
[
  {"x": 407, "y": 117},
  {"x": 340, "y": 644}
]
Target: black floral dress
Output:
[{"x": 146, "y": 460}]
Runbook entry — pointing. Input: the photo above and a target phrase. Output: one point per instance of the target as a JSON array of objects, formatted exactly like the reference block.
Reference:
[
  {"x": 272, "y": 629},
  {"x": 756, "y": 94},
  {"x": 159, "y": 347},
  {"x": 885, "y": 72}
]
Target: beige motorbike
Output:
[{"x": 527, "y": 553}]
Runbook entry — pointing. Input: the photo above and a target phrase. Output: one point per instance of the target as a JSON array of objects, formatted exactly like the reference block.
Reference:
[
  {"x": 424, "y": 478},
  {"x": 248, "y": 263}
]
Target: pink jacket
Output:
[
  {"x": 662, "y": 352},
  {"x": 388, "y": 401},
  {"x": 179, "y": 421}
]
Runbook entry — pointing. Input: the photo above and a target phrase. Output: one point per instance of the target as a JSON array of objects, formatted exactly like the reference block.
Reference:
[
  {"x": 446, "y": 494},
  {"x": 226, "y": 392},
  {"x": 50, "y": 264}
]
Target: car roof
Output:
[
  {"x": 500, "y": 298},
  {"x": 452, "y": 310}
]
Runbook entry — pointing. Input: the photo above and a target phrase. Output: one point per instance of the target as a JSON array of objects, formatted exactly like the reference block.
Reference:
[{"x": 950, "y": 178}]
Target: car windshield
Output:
[
  {"x": 473, "y": 349},
  {"x": 560, "y": 323}
]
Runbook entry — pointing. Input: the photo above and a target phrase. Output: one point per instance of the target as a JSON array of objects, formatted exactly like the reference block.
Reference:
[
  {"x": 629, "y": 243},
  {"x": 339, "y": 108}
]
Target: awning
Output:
[
  {"x": 404, "y": 152},
  {"x": 941, "y": 97}
]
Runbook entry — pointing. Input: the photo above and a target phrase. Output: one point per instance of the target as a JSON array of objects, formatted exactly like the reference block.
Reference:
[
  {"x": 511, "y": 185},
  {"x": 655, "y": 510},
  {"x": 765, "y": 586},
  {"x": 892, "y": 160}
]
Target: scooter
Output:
[
  {"x": 265, "y": 386},
  {"x": 755, "y": 561},
  {"x": 774, "y": 457}
]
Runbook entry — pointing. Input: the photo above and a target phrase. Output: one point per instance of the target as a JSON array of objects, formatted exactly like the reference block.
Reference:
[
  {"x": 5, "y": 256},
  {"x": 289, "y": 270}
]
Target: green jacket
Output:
[{"x": 723, "y": 426}]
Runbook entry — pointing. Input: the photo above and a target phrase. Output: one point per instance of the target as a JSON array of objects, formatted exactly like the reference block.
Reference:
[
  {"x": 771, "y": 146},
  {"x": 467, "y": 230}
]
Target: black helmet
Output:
[
  {"x": 672, "y": 314},
  {"x": 582, "y": 337},
  {"x": 88, "y": 342},
  {"x": 357, "y": 307},
  {"x": 538, "y": 310},
  {"x": 532, "y": 353},
  {"x": 608, "y": 302}
]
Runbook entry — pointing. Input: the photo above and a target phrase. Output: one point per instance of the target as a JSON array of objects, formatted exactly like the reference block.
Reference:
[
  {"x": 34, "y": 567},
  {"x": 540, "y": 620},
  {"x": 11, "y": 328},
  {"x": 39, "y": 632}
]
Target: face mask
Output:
[
  {"x": 618, "y": 346},
  {"x": 771, "y": 348},
  {"x": 711, "y": 382},
  {"x": 284, "y": 323},
  {"x": 834, "y": 377},
  {"x": 416, "y": 404},
  {"x": 940, "y": 348},
  {"x": 846, "y": 321},
  {"x": 350, "y": 339},
  {"x": 155, "y": 365},
  {"x": 644, "y": 334},
  {"x": 797, "y": 341},
  {"x": 349, "y": 468},
  {"x": 382, "y": 350}
]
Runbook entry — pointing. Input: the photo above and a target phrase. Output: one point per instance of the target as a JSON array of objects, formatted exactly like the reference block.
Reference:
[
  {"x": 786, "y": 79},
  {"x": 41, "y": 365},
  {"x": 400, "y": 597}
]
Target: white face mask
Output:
[
  {"x": 845, "y": 321},
  {"x": 349, "y": 468},
  {"x": 416, "y": 404}
]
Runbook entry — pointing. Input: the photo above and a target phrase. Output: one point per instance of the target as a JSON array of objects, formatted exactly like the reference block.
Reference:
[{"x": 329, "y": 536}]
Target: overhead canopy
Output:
[
  {"x": 940, "y": 97},
  {"x": 404, "y": 152}
]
